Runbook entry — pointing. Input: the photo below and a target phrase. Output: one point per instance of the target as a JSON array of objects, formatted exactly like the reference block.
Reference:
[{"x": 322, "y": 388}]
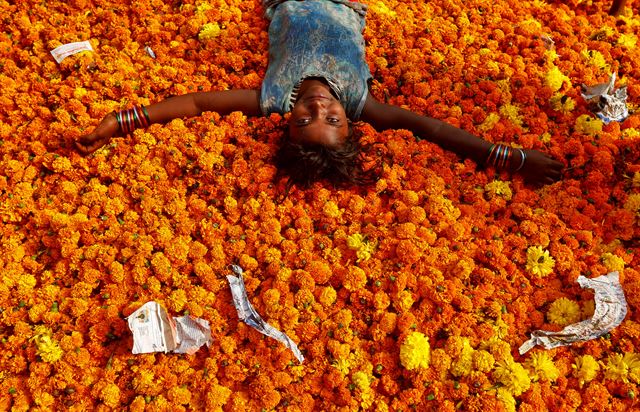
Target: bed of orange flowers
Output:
[{"x": 414, "y": 294}]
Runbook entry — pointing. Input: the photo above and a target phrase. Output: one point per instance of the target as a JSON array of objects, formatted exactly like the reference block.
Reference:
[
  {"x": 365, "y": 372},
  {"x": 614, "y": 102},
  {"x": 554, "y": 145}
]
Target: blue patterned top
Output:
[{"x": 315, "y": 38}]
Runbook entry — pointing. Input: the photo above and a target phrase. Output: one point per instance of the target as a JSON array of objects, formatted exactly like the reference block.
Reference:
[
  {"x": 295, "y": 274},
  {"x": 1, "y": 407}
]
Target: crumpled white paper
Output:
[
  {"x": 248, "y": 314},
  {"x": 610, "y": 311},
  {"x": 155, "y": 331},
  {"x": 611, "y": 104}
]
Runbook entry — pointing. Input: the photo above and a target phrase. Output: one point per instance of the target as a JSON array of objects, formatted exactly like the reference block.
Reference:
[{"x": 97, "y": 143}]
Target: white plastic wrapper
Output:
[
  {"x": 248, "y": 314},
  {"x": 150, "y": 52},
  {"x": 155, "y": 331},
  {"x": 610, "y": 311},
  {"x": 610, "y": 104},
  {"x": 62, "y": 52}
]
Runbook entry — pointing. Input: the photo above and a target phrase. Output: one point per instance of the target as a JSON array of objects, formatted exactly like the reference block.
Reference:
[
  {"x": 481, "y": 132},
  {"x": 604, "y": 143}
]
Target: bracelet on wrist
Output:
[
  {"x": 502, "y": 157},
  {"x": 133, "y": 118}
]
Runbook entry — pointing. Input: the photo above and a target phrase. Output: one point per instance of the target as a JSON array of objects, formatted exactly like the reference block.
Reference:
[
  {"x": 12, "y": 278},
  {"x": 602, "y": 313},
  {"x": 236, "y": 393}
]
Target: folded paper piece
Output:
[
  {"x": 611, "y": 308},
  {"x": 248, "y": 314},
  {"x": 62, "y": 52},
  {"x": 610, "y": 104},
  {"x": 154, "y": 331}
]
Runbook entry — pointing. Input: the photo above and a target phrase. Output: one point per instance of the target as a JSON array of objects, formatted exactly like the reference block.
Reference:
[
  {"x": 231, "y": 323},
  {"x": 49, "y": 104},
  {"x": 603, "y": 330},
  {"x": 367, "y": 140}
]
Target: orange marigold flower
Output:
[{"x": 355, "y": 278}]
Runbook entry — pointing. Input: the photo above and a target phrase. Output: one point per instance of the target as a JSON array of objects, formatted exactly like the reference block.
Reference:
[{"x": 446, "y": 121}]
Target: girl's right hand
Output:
[
  {"x": 541, "y": 169},
  {"x": 91, "y": 142}
]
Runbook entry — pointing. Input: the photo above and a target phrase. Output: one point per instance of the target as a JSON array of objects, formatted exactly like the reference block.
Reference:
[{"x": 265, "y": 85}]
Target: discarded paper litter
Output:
[
  {"x": 62, "y": 52},
  {"x": 610, "y": 104},
  {"x": 248, "y": 314},
  {"x": 150, "y": 52},
  {"x": 154, "y": 331},
  {"x": 611, "y": 308}
]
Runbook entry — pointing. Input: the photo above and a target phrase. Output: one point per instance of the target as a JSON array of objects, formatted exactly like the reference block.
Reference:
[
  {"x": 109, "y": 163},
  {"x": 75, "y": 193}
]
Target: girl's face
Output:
[{"x": 317, "y": 116}]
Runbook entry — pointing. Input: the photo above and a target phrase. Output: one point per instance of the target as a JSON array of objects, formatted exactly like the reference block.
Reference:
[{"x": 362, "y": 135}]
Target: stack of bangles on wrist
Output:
[
  {"x": 131, "y": 119},
  {"x": 501, "y": 157}
]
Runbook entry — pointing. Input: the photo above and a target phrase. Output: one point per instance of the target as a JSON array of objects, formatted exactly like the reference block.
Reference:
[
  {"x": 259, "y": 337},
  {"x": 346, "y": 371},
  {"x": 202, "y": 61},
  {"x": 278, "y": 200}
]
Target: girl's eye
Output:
[
  {"x": 303, "y": 121},
  {"x": 332, "y": 120}
]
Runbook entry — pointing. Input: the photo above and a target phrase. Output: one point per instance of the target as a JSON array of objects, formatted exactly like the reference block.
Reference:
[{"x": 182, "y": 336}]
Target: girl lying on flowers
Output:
[{"x": 317, "y": 72}]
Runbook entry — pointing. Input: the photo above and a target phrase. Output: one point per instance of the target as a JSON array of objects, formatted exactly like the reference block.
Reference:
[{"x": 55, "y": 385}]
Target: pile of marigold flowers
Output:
[{"x": 413, "y": 294}]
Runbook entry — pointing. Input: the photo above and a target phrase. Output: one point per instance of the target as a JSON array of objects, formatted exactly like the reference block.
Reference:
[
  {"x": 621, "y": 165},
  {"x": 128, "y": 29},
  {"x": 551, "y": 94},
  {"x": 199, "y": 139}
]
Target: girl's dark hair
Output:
[{"x": 343, "y": 165}]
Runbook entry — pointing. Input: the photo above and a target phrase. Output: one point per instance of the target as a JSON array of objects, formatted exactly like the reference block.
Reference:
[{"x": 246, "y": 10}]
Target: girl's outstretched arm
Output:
[
  {"x": 536, "y": 167},
  {"x": 188, "y": 105}
]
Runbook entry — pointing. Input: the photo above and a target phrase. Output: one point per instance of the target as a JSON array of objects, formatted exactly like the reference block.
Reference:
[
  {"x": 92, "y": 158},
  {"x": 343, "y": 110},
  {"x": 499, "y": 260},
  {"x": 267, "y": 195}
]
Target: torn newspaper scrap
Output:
[
  {"x": 611, "y": 308},
  {"x": 248, "y": 314},
  {"x": 155, "y": 331},
  {"x": 610, "y": 104}
]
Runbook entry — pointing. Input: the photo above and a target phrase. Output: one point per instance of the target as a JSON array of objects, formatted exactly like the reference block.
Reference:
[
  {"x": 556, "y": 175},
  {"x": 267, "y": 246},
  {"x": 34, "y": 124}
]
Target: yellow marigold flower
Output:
[
  {"x": 209, "y": 31},
  {"x": 588, "y": 125},
  {"x": 513, "y": 376},
  {"x": 507, "y": 399},
  {"x": 539, "y": 263},
  {"x": 43, "y": 399},
  {"x": 404, "y": 301},
  {"x": 551, "y": 55},
  {"x": 541, "y": 367},
  {"x": 564, "y": 312},
  {"x": 632, "y": 203},
  {"x": 366, "y": 399},
  {"x": 612, "y": 262},
  {"x": 365, "y": 253},
  {"x": 627, "y": 40},
  {"x": 545, "y": 137},
  {"x": 415, "y": 351},
  {"x": 489, "y": 122},
  {"x": 511, "y": 113},
  {"x": 554, "y": 78},
  {"x": 562, "y": 103},
  {"x": 48, "y": 349},
  {"x": 177, "y": 299},
  {"x": 594, "y": 58},
  {"x": 79, "y": 92},
  {"x": 616, "y": 369},
  {"x": 342, "y": 365},
  {"x": 499, "y": 188},
  {"x": 361, "y": 380},
  {"x": 327, "y": 296},
  {"x": 110, "y": 395},
  {"x": 331, "y": 210},
  {"x": 631, "y": 134},
  {"x": 483, "y": 361},
  {"x": 585, "y": 368},
  {"x": 355, "y": 241},
  {"x": 462, "y": 353},
  {"x": 26, "y": 282},
  {"x": 632, "y": 360},
  {"x": 271, "y": 297},
  {"x": 635, "y": 180},
  {"x": 380, "y": 8},
  {"x": 203, "y": 7}
]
